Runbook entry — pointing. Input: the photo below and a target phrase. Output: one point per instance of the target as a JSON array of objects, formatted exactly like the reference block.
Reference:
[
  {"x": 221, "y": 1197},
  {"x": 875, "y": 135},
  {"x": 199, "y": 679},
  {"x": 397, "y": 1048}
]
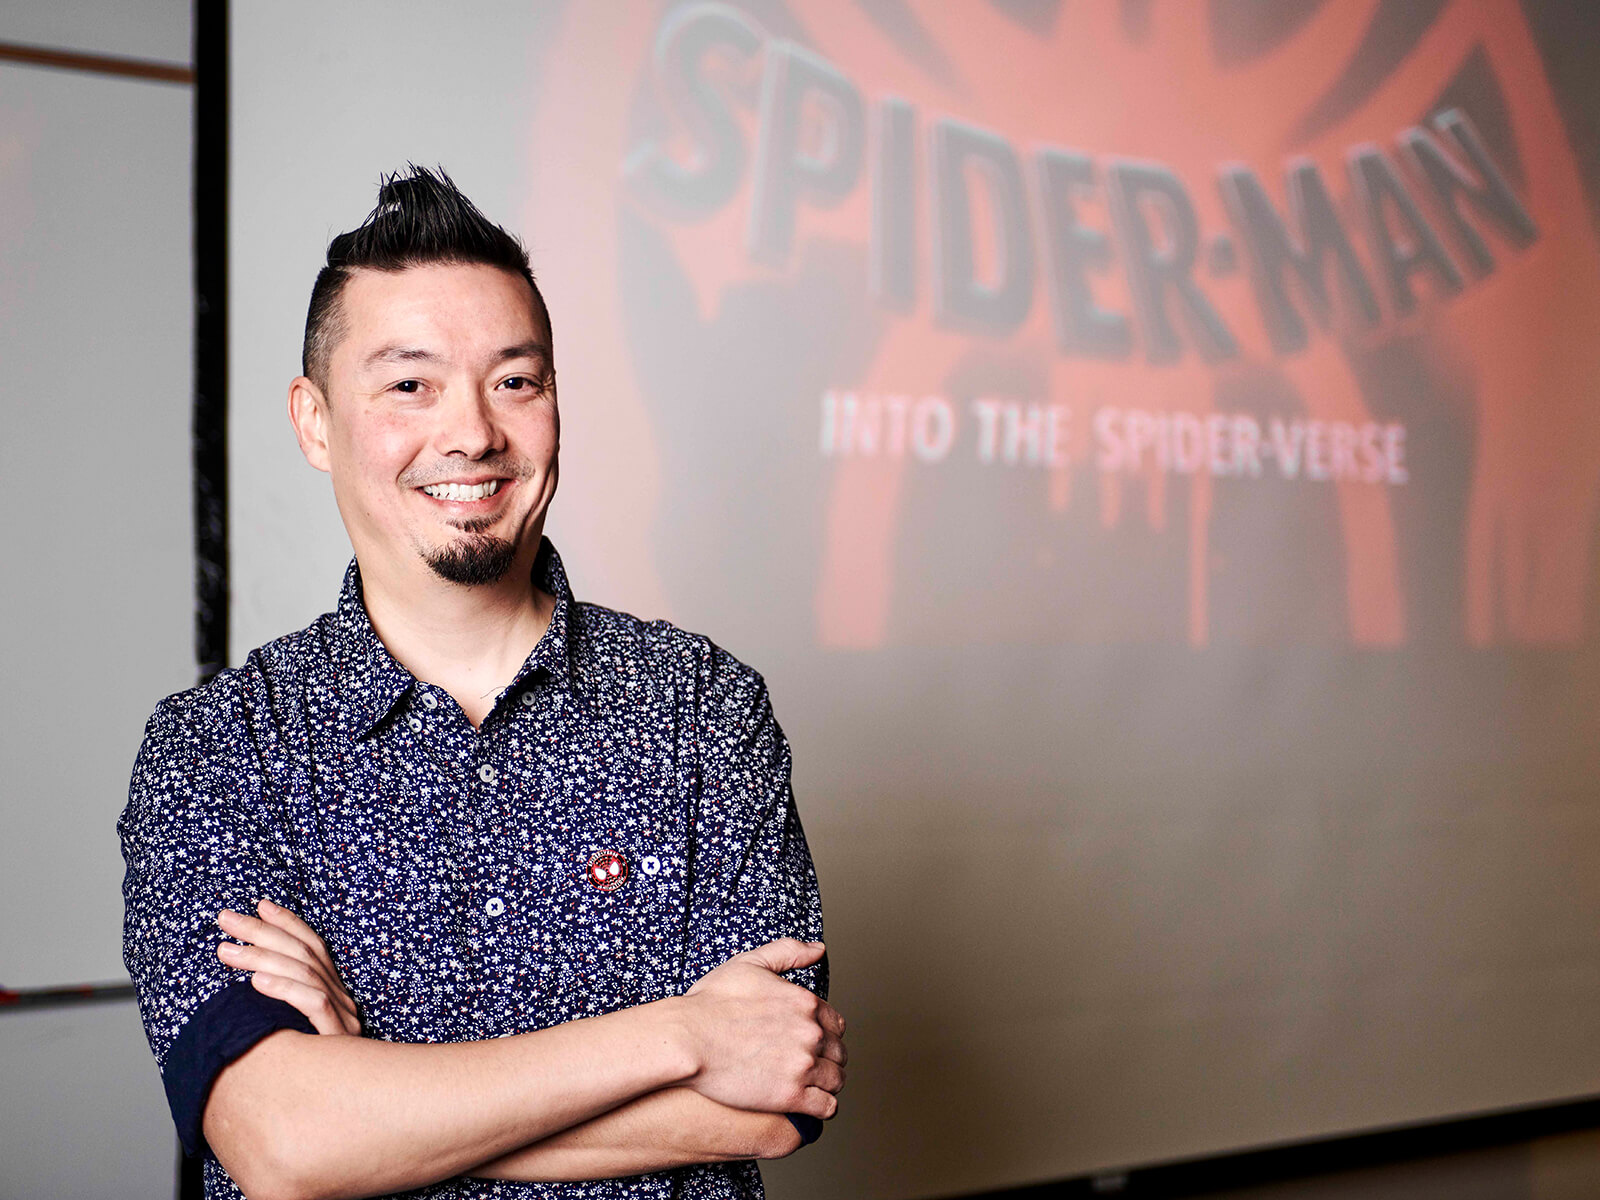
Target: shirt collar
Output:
[
  {"x": 373, "y": 682},
  {"x": 554, "y": 651}
]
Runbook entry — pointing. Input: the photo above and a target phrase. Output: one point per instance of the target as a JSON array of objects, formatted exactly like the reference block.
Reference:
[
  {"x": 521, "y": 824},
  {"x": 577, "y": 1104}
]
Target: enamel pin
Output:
[{"x": 608, "y": 870}]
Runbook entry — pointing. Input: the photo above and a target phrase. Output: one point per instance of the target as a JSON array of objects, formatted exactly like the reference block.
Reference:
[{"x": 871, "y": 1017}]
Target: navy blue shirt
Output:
[{"x": 620, "y": 824}]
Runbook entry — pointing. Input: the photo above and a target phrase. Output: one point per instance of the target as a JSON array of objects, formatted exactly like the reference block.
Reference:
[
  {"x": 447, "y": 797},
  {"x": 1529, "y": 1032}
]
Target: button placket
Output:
[{"x": 495, "y": 894}]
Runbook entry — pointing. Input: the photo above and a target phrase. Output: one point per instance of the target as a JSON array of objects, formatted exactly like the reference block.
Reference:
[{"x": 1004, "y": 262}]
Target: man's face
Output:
[{"x": 439, "y": 426}]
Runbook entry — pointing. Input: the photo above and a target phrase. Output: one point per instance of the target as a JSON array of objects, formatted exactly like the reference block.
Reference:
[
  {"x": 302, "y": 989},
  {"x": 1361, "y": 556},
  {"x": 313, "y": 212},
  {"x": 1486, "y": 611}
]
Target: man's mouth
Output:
[{"x": 462, "y": 491}]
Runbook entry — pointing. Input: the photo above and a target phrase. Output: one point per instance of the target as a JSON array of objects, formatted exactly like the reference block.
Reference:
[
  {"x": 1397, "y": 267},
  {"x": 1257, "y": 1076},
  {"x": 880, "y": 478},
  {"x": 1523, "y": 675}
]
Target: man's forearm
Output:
[
  {"x": 302, "y": 1115},
  {"x": 674, "y": 1127}
]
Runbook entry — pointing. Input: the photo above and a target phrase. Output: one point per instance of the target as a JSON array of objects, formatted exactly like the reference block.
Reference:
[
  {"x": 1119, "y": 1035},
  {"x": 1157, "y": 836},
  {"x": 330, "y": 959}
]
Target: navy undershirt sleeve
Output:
[
  {"x": 808, "y": 1127},
  {"x": 221, "y": 1029}
]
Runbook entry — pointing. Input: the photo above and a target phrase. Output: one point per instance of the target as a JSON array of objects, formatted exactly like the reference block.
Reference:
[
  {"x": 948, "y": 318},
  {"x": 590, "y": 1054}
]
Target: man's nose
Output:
[{"x": 467, "y": 425}]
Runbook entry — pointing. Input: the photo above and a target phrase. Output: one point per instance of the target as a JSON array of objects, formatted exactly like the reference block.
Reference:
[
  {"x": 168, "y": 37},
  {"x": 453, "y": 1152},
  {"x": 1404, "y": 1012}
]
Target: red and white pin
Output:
[{"x": 608, "y": 870}]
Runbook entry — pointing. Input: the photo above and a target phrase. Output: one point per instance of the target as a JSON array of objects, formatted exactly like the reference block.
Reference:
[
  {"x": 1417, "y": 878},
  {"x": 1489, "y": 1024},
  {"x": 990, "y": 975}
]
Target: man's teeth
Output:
[{"x": 462, "y": 491}]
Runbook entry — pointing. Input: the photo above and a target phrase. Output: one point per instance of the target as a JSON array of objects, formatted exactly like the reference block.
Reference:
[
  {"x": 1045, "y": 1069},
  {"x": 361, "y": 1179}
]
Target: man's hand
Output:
[
  {"x": 290, "y": 963},
  {"x": 765, "y": 1044}
]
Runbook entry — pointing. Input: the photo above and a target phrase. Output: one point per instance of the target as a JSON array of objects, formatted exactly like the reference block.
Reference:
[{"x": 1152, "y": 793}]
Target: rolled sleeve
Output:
[{"x": 194, "y": 843}]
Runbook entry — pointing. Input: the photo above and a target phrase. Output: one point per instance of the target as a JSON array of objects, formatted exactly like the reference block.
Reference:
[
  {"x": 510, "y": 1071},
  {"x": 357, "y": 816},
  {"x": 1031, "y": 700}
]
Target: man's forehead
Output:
[
  {"x": 403, "y": 353},
  {"x": 408, "y": 312}
]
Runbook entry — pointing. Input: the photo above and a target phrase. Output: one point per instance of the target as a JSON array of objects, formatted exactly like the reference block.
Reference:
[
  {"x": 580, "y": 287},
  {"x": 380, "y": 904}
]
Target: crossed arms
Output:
[{"x": 703, "y": 1077}]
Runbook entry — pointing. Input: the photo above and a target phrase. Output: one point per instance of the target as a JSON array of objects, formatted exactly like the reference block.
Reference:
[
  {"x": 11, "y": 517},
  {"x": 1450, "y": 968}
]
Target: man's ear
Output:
[{"x": 308, "y": 413}]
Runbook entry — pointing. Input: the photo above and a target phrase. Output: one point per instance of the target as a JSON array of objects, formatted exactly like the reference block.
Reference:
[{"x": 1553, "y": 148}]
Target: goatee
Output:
[{"x": 474, "y": 560}]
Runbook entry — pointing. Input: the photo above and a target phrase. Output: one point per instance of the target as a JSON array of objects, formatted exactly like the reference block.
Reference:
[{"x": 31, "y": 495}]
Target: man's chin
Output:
[{"x": 473, "y": 561}]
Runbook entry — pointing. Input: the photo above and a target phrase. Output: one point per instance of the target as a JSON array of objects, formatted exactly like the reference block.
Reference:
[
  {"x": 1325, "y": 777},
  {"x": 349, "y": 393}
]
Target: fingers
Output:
[
  {"x": 276, "y": 914},
  {"x": 285, "y": 941},
  {"x": 827, "y": 1075},
  {"x": 313, "y": 1002},
  {"x": 285, "y": 952},
  {"x": 830, "y": 1023},
  {"x": 255, "y": 958},
  {"x": 786, "y": 954},
  {"x": 257, "y": 932},
  {"x": 289, "y": 922},
  {"x": 818, "y": 1103},
  {"x": 830, "y": 1018},
  {"x": 291, "y": 970}
]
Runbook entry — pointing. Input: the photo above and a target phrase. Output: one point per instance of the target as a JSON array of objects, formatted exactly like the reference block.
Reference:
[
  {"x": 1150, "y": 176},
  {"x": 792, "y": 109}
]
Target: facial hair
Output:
[
  {"x": 479, "y": 557},
  {"x": 473, "y": 560}
]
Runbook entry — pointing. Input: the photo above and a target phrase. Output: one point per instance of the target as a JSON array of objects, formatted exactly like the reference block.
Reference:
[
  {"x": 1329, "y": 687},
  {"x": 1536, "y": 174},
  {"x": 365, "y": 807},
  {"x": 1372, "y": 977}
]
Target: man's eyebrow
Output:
[
  {"x": 400, "y": 354},
  {"x": 529, "y": 349}
]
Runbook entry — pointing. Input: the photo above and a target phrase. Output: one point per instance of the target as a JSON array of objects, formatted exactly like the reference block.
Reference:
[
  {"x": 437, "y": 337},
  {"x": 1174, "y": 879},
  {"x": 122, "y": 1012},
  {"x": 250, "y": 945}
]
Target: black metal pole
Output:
[
  {"x": 209, "y": 418},
  {"x": 210, "y": 414}
]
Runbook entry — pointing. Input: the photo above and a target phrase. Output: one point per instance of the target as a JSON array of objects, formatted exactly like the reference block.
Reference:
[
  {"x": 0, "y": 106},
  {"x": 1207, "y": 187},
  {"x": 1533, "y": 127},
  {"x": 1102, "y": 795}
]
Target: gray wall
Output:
[{"x": 96, "y": 599}]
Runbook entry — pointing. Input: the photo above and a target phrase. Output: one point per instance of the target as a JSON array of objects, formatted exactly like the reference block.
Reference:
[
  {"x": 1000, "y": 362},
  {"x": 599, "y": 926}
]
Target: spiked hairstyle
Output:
[{"x": 421, "y": 218}]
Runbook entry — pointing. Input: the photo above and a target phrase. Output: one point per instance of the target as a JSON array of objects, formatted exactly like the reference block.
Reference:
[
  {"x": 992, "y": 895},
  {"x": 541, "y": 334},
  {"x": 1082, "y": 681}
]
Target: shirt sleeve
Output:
[
  {"x": 754, "y": 879},
  {"x": 194, "y": 844}
]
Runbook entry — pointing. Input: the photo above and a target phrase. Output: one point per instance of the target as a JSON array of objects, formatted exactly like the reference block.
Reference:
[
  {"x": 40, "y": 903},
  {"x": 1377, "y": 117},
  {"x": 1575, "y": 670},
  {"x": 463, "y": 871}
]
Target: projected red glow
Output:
[{"x": 1157, "y": 320}]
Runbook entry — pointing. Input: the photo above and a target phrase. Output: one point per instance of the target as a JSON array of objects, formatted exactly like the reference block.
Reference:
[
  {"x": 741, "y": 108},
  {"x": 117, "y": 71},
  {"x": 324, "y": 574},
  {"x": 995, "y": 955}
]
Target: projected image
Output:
[
  {"x": 1149, "y": 448},
  {"x": 1168, "y": 323}
]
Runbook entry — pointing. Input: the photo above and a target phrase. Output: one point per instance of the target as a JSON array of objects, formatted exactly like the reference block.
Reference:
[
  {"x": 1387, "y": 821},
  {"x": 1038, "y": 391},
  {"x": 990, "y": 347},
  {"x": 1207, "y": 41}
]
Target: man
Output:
[{"x": 544, "y": 856}]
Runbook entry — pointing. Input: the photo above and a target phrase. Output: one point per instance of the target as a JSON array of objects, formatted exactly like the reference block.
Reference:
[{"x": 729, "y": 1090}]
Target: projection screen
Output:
[{"x": 1150, "y": 449}]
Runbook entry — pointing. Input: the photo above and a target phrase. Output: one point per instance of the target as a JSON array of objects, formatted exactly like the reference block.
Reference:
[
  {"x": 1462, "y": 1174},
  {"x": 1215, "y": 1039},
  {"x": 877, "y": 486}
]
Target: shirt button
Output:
[
  {"x": 429, "y": 700},
  {"x": 495, "y": 906},
  {"x": 486, "y": 773},
  {"x": 651, "y": 864},
  {"x": 527, "y": 699},
  {"x": 416, "y": 724}
]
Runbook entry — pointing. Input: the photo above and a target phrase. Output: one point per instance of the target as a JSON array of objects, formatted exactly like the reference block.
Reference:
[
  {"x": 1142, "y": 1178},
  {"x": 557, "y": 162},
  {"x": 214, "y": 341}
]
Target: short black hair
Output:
[{"x": 422, "y": 217}]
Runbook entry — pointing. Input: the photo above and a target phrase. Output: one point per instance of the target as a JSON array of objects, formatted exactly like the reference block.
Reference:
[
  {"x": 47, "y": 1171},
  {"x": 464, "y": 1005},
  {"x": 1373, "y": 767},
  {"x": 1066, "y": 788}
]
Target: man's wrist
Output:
[{"x": 681, "y": 1048}]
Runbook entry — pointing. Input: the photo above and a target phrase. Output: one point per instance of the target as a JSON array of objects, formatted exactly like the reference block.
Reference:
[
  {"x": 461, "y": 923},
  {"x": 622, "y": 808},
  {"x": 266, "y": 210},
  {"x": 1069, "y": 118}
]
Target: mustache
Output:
[{"x": 500, "y": 467}]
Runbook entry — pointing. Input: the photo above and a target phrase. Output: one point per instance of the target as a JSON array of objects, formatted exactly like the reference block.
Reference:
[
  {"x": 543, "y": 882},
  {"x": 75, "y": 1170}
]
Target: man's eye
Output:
[
  {"x": 407, "y": 385},
  {"x": 521, "y": 383}
]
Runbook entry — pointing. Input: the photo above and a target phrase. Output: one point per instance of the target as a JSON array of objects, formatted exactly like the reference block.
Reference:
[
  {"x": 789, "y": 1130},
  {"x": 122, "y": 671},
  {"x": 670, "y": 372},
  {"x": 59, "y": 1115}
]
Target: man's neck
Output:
[{"x": 469, "y": 640}]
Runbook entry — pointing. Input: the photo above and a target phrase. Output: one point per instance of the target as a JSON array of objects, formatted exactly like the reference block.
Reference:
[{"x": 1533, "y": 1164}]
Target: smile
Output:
[{"x": 462, "y": 491}]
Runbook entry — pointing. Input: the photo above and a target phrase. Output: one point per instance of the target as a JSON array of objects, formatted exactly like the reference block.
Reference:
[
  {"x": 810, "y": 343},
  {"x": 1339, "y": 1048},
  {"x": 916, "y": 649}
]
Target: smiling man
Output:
[{"x": 511, "y": 883}]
